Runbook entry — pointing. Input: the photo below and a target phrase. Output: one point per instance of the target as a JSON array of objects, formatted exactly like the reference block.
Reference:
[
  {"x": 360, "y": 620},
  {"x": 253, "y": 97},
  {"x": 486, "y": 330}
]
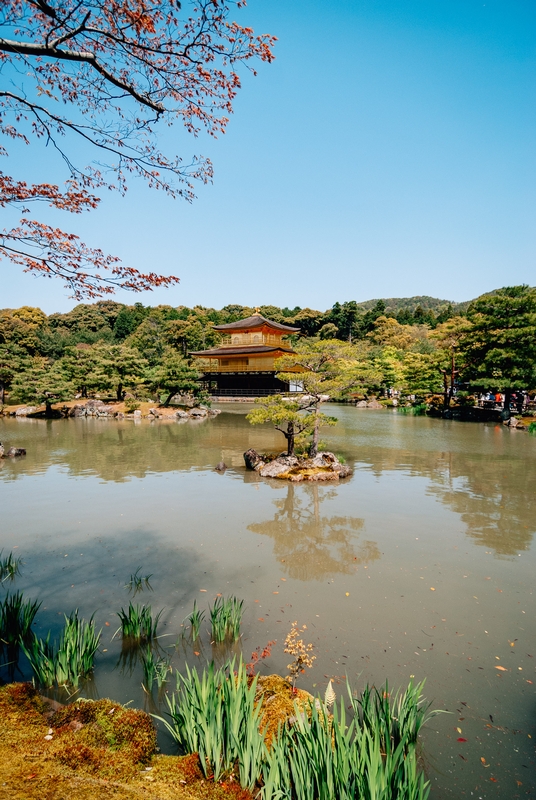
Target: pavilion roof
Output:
[
  {"x": 255, "y": 321},
  {"x": 223, "y": 352}
]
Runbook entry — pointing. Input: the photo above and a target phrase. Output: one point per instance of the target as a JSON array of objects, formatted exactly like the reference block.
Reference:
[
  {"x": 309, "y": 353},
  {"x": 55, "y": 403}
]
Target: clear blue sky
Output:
[{"x": 388, "y": 151}]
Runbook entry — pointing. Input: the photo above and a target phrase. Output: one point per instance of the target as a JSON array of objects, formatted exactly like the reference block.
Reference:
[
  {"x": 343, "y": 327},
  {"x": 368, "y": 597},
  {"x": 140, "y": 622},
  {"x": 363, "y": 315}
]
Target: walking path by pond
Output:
[{"x": 421, "y": 564}]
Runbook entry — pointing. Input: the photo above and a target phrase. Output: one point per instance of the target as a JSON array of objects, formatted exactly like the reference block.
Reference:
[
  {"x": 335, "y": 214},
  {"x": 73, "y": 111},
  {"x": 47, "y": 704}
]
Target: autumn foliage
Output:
[{"x": 103, "y": 77}]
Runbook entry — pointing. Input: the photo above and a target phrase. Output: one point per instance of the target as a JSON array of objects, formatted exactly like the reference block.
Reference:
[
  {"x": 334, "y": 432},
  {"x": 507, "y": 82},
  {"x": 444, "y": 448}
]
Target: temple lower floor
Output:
[{"x": 243, "y": 384}]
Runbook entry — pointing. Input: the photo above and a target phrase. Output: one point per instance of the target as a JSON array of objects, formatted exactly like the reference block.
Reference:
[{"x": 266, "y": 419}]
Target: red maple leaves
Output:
[{"x": 99, "y": 76}]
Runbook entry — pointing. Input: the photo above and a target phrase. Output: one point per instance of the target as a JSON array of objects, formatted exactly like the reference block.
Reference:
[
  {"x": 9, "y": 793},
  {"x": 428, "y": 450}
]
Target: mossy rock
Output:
[
  {"x": 279, "y": 702},
  {"x": 92, "y": 750}
]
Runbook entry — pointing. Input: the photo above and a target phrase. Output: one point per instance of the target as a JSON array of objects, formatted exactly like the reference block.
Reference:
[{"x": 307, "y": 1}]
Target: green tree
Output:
[
  {"x": 420, "y": 375},
  {"x": 118, "y": 366},
  {"x": 79, "y": 364},
  {"x": 12, "y": 361},
  {"x": 287, "y": 415},
  {"x": 328, "y": 331},
  {"x": 500, "y": 346},
  {"x": 449, "y": 360},
  {"x": 324, "y": 368},
  {"x": 387, "y": 372},
  {"x": 173, "y": 375},
  {"x": 41, "y": 382}
]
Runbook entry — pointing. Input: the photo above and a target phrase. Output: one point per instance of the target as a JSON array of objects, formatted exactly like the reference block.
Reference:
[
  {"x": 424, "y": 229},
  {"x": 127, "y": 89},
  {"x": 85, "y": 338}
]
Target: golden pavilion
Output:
[{"x": 245, "y": 363}]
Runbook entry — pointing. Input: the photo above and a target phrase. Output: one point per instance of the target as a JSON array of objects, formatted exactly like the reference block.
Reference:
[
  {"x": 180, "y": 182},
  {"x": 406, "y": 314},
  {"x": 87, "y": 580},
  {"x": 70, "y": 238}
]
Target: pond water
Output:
[{"x": 421, "y": 564}]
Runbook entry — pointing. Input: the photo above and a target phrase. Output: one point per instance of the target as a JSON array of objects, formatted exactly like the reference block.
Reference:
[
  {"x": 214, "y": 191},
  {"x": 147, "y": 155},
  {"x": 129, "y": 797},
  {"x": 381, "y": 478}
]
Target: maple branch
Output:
[
  {"x": 52, "y": 252},
  {"x": 48, "y": 51}
]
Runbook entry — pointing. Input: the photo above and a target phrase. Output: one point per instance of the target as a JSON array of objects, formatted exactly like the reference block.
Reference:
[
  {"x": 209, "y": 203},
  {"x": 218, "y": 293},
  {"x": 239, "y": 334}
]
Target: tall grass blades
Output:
[
  {"x": 42, "y": 657},
  {"x": 370, "y": 758},
  {"x": 195, "y": 618},
  {"x": 69, "y": 661},
  {"x": 226, "y": 619},
  {"x": 215, "y": 715},
  {"x": 155, "y": 670},
  {"x": 16, "y": 618},
  {"x": 137, "y": 623},
  {"x": 9, "y": 567}
]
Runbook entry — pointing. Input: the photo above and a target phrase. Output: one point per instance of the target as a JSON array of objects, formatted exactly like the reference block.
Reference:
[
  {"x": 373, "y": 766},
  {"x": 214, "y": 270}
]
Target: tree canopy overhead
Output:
[{"x": 105, "y": 73}]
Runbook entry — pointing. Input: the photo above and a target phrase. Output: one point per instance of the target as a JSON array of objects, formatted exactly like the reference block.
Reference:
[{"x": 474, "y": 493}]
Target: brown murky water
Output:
[{"x": 422, "y": 564}]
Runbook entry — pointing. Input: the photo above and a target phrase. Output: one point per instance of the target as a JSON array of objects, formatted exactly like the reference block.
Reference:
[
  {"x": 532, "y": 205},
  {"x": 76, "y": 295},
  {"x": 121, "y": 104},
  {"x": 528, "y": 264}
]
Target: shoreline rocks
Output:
[
  {"x": 13, "y": 452},
  {"x": 323, "y": 467}
]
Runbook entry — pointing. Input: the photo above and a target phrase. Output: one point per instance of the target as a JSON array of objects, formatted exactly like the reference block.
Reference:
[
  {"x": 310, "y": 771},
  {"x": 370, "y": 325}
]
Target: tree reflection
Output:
[
  {"x": 310, "y": 546},
  {"x": 496, "y": 502},
  {"x": 492, "y": 492}
]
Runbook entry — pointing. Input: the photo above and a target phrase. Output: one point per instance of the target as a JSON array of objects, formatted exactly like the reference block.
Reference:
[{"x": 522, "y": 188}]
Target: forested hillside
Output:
[{"x": 415, "y": 344}]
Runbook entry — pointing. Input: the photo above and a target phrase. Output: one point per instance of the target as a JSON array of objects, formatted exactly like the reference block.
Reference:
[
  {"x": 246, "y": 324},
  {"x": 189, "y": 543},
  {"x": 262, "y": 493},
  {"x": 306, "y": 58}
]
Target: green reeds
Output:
[
  {"x": 137, "y": 623},
  {"x": 155, "y": 670},
  {"x": 137, "y": 583},
  {"x": 195, "y": 618},
  {"x": 9, "y": 567},
  {"x": 226, "y": 618},
  {"x": 418, "y": 410},
  {"x": 372, "y": 756},
  {"x": 70, "y": 660},
  {"x": 16, "y": 618},
  {"x": 215, "y": 715}
]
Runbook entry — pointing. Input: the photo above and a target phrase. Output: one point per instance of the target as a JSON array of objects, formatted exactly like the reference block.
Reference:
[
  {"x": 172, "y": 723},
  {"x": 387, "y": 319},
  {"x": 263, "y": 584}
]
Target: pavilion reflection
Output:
[{"x": 310, "y": 546}]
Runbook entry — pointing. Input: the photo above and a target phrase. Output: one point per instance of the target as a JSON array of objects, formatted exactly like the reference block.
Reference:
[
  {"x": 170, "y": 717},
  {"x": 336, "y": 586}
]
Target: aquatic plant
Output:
[
  {"x": 9, "y": 567},
  {"x": 195, "y": 618},
  {"x": 16, "y": 618},
  {"x": 372, "y": 756},
  {"x": 329, "y": 696},
  {"x": 226, "y": 618},
  {"x": 137, "y": 623},
  {"x": 155, "y": 669},
  {"x": 215, "y": 714},
  {"x": 302, "y": 652},
  {"x": 70, "y": 660},
  {"x": 531, "y": 427},
  {"x": 137, "y": 583},
  {"x": 418, "y": 410}
]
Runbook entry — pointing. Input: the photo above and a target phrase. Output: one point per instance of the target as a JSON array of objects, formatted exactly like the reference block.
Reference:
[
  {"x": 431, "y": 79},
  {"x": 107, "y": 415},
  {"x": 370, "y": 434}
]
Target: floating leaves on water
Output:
[
  {"x": 503, "y": 669},
  {"x": 461, "y": 739}
]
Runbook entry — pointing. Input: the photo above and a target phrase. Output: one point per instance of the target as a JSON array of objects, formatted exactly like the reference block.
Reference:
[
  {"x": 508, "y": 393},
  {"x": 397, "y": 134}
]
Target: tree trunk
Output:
[
  {"x": 48, "y": 408},
  {"x": 313, "y": 449},
  {"x": 168, "y": 398},
  {"x": 453, "y": 372},
  {"x": 2, "y": 393},
  {"x": 84, "y": 391},
  {"x": 119, "y": 392},
  {"x": 506, "y": 407},
  {"x": 290, "y": 435},
  {"x": 446, "y": 393}
]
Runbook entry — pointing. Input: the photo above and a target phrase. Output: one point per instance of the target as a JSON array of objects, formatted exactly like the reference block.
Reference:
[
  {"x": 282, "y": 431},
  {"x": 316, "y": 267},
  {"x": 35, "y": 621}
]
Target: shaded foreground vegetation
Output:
[
  {"x": 220, "y": 719},
  {"x": 233, "y": 727}
]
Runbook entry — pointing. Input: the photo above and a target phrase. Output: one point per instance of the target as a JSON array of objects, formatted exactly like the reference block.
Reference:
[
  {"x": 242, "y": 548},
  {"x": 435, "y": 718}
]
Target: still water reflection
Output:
[
  {"x": 310, "y": 546},
  {"x": 422, "y": 563}
]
